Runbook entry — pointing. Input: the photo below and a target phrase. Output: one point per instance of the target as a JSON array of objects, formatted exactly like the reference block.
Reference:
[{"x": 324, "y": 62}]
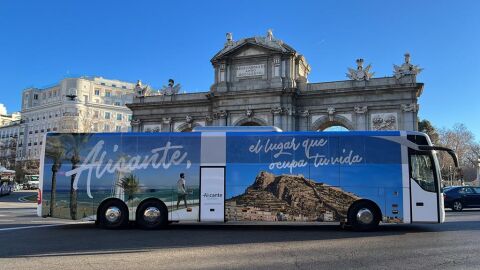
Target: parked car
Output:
[
  {"x": 32, "y": 184},
  {"x": 458, "y": 198}
]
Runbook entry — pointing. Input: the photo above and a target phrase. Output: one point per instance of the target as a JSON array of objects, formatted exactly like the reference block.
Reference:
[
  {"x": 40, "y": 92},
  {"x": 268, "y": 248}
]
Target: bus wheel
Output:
[
  {"x": 152, "y": 214},
  {"x": 363, "y": 216},
  {"x": 113, "y": 214},
  {"x": 457, "y": 206}
]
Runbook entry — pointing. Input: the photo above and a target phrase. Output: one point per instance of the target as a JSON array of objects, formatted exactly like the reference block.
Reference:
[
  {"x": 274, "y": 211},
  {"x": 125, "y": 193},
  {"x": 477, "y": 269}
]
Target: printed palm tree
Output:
[
  {"x": 117, "y": 190},
  {"x": 54, "y": 149},
  {"x": 74, "y": 143},
  {"x": 130, "y": 185}
]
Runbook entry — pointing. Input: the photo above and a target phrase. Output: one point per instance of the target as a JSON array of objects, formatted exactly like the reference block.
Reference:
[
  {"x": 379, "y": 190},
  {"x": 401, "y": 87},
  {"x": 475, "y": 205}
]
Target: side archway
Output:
[
  {"x": 252, "y": 121},
  {"x": 334, "y": 123},
  {"x": 187, "y": 127}
]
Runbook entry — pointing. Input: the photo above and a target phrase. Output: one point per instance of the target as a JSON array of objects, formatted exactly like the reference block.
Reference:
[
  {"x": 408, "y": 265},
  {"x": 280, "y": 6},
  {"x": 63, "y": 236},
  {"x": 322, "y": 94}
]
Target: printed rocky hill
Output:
[{"x": 289, "y": 197}]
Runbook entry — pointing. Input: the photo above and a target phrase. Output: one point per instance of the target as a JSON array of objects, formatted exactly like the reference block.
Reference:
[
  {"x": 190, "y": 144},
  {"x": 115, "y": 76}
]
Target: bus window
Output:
[{"x": 421, "y": 170}]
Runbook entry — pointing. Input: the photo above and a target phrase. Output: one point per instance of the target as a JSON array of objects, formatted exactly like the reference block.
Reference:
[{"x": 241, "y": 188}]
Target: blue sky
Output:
[{"x": 42, "y": 42}]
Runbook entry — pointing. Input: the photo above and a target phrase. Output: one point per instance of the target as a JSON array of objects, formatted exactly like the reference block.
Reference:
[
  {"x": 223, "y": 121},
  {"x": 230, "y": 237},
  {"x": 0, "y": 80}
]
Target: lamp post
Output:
[{"x": 478, "y": 171}]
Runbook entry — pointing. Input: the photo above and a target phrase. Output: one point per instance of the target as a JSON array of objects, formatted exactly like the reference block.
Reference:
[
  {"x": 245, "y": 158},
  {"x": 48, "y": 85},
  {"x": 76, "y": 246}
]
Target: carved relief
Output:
[
  {"x": 167, "y": 120},
  {"x": 220, "y": 114},
  {"x": 304, "y": 113},
  {"x": 331, "y": 112},
  {"x": 188, "y": 119},
  {"x": 135, "y": 122},
  {"x": 360, "y": 109},
  {"x": 360, "y": 74},
  {"x": 209, "y": 118},
  {"x": 152, "y": 128},
  {"x": 406, "y": 68},
  {"x": 412, "y": 107},
  {"x": 277, "y": 110},
  {"x": 384, "y": 121},
  {"x": 249, "y": 113},
  {"x": 171, "y": 89}
]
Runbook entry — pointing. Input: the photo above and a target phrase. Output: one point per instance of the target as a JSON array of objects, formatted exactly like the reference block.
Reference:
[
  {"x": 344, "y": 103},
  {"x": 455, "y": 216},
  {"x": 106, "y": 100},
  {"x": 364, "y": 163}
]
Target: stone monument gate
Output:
[{"x": 263, "y": 81}]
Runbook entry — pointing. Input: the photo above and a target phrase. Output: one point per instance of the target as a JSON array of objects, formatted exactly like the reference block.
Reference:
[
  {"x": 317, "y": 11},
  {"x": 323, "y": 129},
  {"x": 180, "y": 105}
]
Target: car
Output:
[
  {"x": 458, "y": 198},
  {"x": 33, "y": 184}
]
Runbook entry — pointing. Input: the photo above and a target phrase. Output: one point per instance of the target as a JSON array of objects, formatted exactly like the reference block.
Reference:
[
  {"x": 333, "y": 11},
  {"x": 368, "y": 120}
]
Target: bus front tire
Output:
[
  {"x": 113, "y": 214},
  {"x": 363, "y": 216},
  {"x": 152, "y": 214}
]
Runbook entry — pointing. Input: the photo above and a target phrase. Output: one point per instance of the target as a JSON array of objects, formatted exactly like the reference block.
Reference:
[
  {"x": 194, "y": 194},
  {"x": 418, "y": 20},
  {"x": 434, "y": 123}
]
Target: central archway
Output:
[
  {"x": 336, "y": 123},
  {"x": 251, "y": 121},
  {"x": 250, "y": 124}
]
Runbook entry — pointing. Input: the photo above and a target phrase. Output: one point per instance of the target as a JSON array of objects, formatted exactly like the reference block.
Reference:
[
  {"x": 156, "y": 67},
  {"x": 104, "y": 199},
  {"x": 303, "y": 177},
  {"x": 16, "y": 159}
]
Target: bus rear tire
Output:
[
  {"x": 151, "y": 215},
  {"x": 364, "y": 216},
  {"x": 113, "y": 214}
]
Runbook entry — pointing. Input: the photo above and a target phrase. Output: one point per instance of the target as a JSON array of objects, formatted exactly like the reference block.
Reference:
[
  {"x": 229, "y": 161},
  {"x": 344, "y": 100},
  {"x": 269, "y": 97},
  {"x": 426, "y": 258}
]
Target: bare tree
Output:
[{"x": 462, "y": 141}]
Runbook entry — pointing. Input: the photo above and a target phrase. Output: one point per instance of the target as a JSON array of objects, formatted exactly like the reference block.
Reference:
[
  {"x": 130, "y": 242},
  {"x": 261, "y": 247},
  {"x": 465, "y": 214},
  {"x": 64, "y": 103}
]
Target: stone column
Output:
[
  {"x": 303, "y": 120},
  {"x": 409, "y": 116},
  {"x": 136, "y": 125},
  {"x": 166, "y": 124},
  {"x": 361, "y": 117},
  {"x": 277, "y": 117},
  {"x": 222, "y": 118}
]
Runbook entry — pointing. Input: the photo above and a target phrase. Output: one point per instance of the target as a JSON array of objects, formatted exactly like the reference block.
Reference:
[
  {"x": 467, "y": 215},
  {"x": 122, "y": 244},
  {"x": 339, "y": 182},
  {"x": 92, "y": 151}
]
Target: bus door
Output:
[
  {"x": 423, "y": 187},
  {"x": 212, "y": 193}
]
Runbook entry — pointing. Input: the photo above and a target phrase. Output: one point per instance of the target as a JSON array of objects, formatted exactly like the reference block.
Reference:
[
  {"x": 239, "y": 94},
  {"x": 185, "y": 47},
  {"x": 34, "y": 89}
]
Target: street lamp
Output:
[{"x": 478, "y": 171}]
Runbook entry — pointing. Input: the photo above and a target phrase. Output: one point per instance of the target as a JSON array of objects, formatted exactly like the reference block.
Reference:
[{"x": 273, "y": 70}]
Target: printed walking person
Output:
[{"x": 182, "y": 190}]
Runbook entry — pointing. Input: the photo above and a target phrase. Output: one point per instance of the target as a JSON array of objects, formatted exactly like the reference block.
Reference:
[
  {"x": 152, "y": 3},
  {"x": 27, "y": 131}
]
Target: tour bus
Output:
[{"x": 259, "y": 174}]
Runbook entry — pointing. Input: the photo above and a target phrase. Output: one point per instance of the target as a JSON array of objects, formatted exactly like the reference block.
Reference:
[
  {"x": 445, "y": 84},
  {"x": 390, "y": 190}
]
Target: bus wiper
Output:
[{"x": 440, "y": 148}]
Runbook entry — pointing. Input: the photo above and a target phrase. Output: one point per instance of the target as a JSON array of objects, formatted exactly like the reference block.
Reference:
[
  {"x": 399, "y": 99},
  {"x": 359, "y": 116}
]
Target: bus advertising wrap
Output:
[{"x": 301, "y": 176}]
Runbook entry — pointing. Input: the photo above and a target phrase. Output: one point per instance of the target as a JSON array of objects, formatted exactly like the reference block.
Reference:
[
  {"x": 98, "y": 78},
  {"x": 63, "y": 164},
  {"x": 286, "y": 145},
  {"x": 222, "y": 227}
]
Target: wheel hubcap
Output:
[
  {"x": 151, "y": 214},
  {"x": 457, "y": 206},
  {"x": 365, "y": 216},
  {"x": 113, "y": 214}
]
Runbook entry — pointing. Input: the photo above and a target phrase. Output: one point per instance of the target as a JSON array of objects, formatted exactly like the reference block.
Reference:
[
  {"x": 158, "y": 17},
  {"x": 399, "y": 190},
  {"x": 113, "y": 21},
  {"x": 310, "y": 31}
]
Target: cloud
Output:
[{"x": 3, "y": 109}]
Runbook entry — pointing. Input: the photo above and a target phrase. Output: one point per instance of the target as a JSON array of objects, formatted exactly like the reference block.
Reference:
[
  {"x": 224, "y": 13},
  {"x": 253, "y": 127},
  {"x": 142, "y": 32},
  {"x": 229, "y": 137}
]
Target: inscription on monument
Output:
[{"x": 250, "y": 70}]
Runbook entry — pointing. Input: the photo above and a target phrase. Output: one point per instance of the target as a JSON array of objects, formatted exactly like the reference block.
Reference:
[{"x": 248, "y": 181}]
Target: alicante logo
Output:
[{"x": 212, "y": 195}]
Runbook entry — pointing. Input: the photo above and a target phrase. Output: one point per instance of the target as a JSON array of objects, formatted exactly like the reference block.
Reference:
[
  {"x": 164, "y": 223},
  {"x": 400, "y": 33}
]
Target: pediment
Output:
[
  {"x": 250, "y": 51},
  {"x": 252, "y": 47}
]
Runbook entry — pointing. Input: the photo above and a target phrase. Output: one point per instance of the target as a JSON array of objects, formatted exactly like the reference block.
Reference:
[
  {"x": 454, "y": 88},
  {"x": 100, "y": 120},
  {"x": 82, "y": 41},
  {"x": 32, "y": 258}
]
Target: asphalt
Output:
[{"x": 27, "y": 244}]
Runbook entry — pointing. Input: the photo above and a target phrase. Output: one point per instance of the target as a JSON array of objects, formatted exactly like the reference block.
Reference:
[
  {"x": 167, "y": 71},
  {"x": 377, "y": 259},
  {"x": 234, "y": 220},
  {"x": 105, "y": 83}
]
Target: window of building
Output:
[
  {"x": 124, "y": 87},
  {"x": 119, "y": 116},
  {"x": 118, "y": 128},
  {"x": 95, "y": 126},
  {"x": 97, "y": 92},
  {"x": 117, "y": 103},
  {"x": 35, "y": 96},
  {"x": 107, "y": 115},
  {"x": 106, "y": 127},
  {"x": 129, "y": 117},
  {"x": 95, "y": 114},
  {"x": 108, "y": 93},
  {"x": 102, "y": 83},
  {"x": 114, "y": 85}
]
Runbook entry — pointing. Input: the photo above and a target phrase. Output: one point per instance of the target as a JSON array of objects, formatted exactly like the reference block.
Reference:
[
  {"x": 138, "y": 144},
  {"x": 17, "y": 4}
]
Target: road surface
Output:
[{"x": 29, "y": 242}]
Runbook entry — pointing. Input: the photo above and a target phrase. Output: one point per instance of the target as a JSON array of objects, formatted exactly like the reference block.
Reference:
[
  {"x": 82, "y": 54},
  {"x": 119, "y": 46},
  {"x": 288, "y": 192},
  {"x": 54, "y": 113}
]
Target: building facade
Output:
[
  {"x": 263, "y": 81},
  {"x": 85, "y": 104},
  {"x": 9, "y": 142},
  {"x": 6, "y": 119}
]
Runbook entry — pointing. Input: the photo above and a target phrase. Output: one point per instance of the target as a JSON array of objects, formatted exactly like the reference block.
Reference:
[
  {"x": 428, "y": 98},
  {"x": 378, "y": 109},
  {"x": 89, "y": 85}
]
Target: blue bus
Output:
[{"x": 220, "y": 174}]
